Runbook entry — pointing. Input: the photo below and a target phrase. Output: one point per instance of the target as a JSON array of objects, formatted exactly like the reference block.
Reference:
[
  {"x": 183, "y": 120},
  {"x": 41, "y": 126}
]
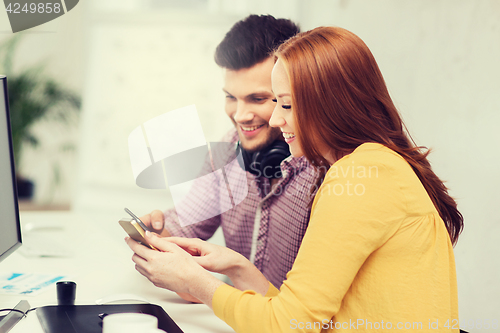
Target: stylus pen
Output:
[{"x": 138, "y": 220}]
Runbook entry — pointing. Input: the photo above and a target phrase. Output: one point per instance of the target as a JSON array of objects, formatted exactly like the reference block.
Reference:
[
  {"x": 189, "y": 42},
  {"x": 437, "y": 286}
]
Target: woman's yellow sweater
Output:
[{"x": 375, "y": 256}]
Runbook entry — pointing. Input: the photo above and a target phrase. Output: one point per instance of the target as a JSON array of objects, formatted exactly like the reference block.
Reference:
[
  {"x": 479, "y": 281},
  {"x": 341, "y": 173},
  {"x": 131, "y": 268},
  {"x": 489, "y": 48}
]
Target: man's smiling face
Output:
[{"x": 249, "y": 104}]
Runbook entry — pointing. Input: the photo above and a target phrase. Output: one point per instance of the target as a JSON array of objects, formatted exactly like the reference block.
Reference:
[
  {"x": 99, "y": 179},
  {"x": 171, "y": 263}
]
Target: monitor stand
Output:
[{"x": 11, "y": 319}]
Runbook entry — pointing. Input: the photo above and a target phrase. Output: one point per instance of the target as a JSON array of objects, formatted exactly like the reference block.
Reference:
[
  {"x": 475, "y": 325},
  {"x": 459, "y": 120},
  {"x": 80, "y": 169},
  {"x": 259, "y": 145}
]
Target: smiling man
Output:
[{"x": 267, "y": 227}]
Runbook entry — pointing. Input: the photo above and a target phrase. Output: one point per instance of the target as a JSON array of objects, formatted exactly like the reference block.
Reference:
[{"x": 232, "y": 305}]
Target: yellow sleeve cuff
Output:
[
  {"x": 221, "y": 294},
  {"x": 224, "y": 292}
]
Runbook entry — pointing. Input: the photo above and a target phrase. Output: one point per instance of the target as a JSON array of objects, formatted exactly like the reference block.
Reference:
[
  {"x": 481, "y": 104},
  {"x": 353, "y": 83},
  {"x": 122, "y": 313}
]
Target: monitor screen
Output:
[{"x": 10, "y": 229}]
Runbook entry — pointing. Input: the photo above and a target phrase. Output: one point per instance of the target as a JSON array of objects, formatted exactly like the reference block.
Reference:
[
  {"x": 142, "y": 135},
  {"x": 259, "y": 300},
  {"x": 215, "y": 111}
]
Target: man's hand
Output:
[{"x": 156, "y": 222}]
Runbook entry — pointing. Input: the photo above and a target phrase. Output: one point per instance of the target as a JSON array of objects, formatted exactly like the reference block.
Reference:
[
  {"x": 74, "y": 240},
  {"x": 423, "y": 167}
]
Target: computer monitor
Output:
[{"x": 10, "y": 228}]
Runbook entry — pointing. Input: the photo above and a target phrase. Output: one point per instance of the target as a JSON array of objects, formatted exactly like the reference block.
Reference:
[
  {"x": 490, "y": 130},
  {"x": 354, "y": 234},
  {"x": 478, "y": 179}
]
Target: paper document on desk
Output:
[{"x": 27, "y": 283}]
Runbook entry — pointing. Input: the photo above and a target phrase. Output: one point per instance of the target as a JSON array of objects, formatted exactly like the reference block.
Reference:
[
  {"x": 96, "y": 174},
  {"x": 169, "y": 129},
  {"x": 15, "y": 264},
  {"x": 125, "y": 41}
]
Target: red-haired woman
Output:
[{"x": 378, "y": 251}]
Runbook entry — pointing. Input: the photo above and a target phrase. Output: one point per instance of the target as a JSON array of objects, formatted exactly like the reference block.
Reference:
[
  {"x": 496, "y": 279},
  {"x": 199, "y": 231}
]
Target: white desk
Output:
[{"x": 101, "y": 266}]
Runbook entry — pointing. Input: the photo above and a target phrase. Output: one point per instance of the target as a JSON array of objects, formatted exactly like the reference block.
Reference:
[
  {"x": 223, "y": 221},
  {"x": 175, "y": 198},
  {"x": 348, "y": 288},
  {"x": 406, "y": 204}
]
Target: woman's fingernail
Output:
[
  {"x": 157, "y": 225},
  {"x": 148, "y": 233}
]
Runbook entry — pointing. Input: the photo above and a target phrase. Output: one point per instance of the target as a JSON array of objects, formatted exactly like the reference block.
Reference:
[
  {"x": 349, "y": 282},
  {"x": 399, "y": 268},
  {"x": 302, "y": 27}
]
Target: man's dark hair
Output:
[{"x": 252, "y": 40}]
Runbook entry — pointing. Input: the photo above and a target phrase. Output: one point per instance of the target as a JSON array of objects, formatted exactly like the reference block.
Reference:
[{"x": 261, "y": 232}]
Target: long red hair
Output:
[{"x": 340, "y": 99}]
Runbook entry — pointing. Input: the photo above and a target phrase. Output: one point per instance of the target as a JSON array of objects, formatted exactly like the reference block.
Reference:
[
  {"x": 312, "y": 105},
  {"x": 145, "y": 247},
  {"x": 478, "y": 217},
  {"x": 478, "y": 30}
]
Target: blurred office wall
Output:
[{"x": 133, "y": 60}]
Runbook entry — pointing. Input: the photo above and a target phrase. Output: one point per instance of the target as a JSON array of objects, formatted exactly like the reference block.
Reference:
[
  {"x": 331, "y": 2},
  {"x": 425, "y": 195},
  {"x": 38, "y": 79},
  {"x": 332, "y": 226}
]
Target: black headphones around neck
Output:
[{"x": 265, "y": 162}]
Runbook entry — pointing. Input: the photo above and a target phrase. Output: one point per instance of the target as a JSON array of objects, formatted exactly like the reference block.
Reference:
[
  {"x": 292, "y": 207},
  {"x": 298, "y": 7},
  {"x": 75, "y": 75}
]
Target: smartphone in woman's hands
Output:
[{"x": 135, "y": 228}]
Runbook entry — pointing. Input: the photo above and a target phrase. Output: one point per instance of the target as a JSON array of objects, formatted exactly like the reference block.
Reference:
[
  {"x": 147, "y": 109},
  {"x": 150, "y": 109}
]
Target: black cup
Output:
[{"x": 66, "y": 292}]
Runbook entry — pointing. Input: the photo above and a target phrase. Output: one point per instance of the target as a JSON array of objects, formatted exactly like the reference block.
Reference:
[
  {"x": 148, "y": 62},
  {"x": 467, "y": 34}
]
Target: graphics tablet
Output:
[{"x": 85, "y": 318}]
